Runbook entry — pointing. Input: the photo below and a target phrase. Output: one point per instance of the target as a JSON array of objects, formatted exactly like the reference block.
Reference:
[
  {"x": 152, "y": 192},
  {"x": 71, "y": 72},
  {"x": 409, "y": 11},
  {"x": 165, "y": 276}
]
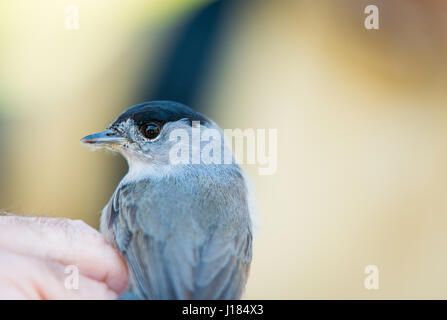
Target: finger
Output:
[
  {"x": 69, "y": 242},
  {"x": 25, "y": 277}
]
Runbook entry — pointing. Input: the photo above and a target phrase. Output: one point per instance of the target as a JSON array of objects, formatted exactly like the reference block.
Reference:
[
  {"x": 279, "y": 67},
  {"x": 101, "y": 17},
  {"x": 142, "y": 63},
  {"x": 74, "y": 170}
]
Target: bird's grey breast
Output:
[{"x": 184, "y": 236}]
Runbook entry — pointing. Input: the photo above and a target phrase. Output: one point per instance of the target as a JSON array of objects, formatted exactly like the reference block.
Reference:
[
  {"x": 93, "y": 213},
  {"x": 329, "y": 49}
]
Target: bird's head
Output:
[{"x": 143, "y": 134}]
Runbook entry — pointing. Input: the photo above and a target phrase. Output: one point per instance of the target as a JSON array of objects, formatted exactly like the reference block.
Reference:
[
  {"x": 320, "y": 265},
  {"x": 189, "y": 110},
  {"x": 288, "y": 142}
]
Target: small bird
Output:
[{"x": 185, "y": 229}]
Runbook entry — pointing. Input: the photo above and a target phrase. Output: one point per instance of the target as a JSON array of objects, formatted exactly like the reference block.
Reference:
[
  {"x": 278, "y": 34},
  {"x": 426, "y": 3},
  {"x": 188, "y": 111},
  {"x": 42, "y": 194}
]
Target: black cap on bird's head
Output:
[{"x": 159, "y": 112}]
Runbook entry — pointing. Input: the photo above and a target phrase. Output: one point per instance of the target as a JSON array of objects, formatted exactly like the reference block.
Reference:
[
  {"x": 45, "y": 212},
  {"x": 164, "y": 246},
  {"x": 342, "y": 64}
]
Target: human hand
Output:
[{"x": 35, "y": 251}]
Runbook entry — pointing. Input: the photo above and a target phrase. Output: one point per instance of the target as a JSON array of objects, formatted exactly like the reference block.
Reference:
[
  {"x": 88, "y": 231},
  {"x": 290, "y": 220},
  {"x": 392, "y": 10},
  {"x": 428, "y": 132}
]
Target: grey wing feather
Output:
[
  {"x": 224, "y": 268},
  {"x": 181, "y": 251}
]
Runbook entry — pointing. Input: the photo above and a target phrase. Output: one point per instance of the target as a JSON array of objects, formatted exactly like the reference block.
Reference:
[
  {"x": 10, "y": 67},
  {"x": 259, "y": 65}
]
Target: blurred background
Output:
[{"x": 361, "y": 118}]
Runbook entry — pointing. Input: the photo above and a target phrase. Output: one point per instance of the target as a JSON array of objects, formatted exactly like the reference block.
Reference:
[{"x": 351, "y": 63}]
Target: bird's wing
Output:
[{"x": 180, "y": 249}]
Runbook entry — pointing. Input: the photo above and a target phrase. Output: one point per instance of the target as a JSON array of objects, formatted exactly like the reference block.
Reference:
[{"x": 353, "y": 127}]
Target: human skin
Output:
[{"x": 35, "y": 252}]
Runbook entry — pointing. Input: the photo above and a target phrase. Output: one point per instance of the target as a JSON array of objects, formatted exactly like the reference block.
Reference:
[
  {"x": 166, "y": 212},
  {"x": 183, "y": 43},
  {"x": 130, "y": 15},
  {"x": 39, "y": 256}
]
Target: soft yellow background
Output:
[{"x": 361, "y": 118}]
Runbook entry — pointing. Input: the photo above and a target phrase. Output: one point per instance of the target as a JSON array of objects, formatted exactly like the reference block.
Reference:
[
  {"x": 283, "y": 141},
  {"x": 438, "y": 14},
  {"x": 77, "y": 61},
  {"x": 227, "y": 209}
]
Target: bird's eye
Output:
[{"x": 150, "y": 131}]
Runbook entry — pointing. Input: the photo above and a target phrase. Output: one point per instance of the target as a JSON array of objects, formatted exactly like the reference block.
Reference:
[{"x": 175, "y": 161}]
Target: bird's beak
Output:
[{"x": 104, "y": 138}]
